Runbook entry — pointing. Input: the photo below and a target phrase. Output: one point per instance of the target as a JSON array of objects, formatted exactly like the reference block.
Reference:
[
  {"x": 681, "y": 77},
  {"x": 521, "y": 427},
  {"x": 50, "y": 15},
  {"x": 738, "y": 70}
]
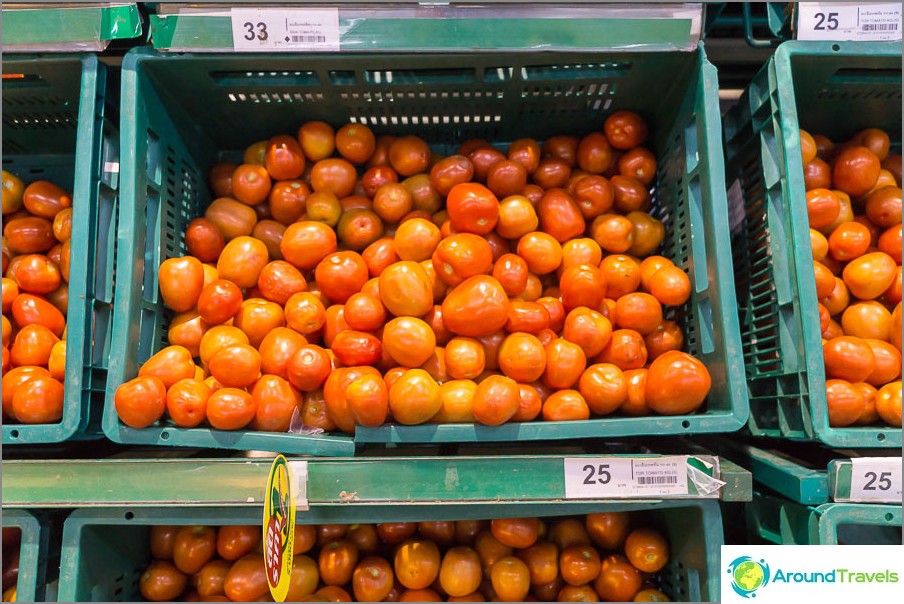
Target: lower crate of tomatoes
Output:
[{"x": 655, "y": 554}]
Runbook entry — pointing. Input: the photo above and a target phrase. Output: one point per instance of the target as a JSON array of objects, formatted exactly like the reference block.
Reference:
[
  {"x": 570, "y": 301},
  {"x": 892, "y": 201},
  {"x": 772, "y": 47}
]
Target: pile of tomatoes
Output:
[
  {"x": 585, "y": 559},
  {"x": 481, "y": 287},
  {"x": 12, "y": 536},
  {"x": 37, "y": 227},
  {"x": 854, "y": 210}
]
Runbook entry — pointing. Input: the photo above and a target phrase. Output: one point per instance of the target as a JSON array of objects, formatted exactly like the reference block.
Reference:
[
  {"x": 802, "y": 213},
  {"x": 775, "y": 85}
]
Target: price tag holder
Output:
[
  {"x": 285, "y": 29},
  {"x": 849, "y": 21},
  {"x": 876, "y": 479},
  {"x": 622, "y": 477}
]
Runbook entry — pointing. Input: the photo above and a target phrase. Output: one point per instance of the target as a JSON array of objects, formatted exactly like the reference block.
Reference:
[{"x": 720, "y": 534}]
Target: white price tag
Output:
[
  {"x": 876, "y": 479},
  {"x": 285, "y": 29},
  {"x": 864, "y": 22},
  {"x": 618, "y": 477}
]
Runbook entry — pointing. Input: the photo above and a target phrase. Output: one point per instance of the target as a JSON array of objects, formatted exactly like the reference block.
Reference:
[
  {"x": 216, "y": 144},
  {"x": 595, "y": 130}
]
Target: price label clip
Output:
[
  {"x": 849, "y": 21},
  {"x": 626, "y": 477},
  {"x": 874, "y": 480}
]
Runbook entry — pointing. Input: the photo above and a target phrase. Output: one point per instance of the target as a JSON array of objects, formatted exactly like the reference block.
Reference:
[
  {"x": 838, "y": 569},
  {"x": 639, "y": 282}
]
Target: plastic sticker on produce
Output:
[
  {"x": 619, "y": 477},
  {"x": 285, "y": 30},
  {"x": 864, "y": 22},
  {"x": 791, "y": 573}
]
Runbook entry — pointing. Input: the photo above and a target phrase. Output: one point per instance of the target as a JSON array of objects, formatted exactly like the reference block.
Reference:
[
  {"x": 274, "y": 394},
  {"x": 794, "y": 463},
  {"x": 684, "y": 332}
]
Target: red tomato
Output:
[{"x": 472, "y": 208}]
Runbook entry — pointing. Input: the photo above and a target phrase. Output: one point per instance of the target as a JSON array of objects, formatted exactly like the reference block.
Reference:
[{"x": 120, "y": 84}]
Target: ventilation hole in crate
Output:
[
  {"x": 498, "y": 74},
  {"x": 14, "y": 433},
  {"x": 420, "y": 76},
  {"x": 614, "y": 69}
]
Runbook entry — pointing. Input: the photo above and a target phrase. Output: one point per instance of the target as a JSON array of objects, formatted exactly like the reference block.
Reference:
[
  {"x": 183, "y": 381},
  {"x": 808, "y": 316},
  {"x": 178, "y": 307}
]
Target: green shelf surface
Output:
[
  {"x": 45, "y": 27},
  {"x": 444, "y": 26},
  {"x": 241, "y": 482}
]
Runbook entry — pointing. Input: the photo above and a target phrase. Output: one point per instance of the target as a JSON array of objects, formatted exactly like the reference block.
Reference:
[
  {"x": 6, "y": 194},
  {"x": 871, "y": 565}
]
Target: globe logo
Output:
[{"x": 748, "y": 575}]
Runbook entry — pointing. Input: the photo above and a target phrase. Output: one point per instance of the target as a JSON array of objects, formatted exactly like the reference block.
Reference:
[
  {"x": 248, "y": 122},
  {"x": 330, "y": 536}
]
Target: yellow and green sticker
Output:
[{"x": 279, "y": 528}]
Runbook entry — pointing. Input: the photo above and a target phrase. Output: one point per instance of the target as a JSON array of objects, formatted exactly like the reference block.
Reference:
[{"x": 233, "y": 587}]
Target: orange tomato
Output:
[
  {"x": 848, "y": 358},
  {"x": 161, "y": 581},
  {"x": 844, "y": 402},
  {"x": 461, "y": 256},
  {"x": 866, "y": 320},
  {"x": 39, "y": 400},
  {"x": 888, "y": 403},
  {"x": 677, "y": 384},
  {"x": 368, "y": 399},
  {"x": 565, "y": 362},
  {"x": 414, "y": 398},
  {"x": 579, "y": 564},
  {"x": 305, "y": 244},
  {"x": 171, "y": 364},
  {"x": 417, "y": 563},
  {"x": 139, "y": 402},
  {"x": 582, "y": 285},
  {"x": 406, "y": 290},
  {"x": 647, "y": 550},
  {"x": 888, "y": 363},
  {"x": 477, "y": 307},
  {"x": 522, "y": 357},
  {"x": 496, "y": 400},
  {"x": 603, "y": 387},
  {"x": 517, "y": 533},
  {"x": 667, "y": 336},
  {"x": 460, "y": 572},
  {"x": 230, "y": 409},
  {"x": 614, "y": 233},
  {"x": 565, "y": 405},
  {"x": 337, "y": 562},
  {"x": 186, "y": 402},
  {"x": 618, "y": 580},
  {"x": 855, "y": 170},
  {"x": 275, "y": 401},
  {"x": 626, "y": 350},
  {"x": 870, "y": 275},
  {"x": 511, "y": 579},
  {"x": 638, "y": 311}
]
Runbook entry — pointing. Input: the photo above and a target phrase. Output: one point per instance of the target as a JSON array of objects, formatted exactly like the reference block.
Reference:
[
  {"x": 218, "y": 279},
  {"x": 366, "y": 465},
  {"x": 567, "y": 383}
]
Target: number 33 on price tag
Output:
[
  {"x": 285, "y": 29},
  {"x": 876, "y": 479}
]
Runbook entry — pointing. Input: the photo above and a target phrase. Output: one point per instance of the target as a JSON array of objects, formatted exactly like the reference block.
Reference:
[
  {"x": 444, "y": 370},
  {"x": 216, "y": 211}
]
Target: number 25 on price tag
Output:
[{"x": 876, "y": 479}]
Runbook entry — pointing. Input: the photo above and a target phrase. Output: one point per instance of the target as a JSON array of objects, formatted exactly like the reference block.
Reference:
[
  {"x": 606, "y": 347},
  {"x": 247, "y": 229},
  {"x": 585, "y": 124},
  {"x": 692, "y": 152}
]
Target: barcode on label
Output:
[
  {"x": 879, "y": 27},
  {"x": 657, "y": 480},
  {"x": 309, "y": 39}
]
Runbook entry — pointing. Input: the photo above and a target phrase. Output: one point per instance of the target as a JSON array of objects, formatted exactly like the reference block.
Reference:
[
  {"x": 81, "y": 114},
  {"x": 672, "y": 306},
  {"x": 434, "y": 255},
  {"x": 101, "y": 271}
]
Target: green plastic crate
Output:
[
  {"x": 32, "y": 554},
  {"x": 839, "y": 88},
  {"x": 184, "y": 109},
  {"x": 779, "y": 520},
  {"x": 57, "y": 126},
  {"x": 105, "y": 551}
]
